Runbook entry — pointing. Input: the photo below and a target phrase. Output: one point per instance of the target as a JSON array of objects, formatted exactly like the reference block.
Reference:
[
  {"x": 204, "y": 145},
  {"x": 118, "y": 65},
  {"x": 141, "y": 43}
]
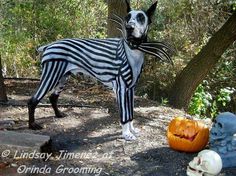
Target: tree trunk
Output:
[
  {"x": 197, "y": 69},
  {"x": 117, "y": 7},
  {"x": 3, "y": 95}
]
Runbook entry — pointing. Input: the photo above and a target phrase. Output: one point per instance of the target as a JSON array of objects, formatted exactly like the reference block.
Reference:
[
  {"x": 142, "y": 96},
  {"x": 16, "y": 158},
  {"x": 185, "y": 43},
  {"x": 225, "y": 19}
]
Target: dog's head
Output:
[{"x": 137, "y": 23}]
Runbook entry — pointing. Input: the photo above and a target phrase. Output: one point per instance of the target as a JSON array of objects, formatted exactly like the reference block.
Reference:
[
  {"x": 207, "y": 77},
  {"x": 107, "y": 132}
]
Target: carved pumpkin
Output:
[{"x": 187, "y": 135}]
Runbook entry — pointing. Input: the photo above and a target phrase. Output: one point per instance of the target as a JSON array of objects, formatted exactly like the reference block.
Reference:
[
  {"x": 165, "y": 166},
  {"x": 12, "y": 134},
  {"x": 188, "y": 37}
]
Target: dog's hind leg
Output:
[
  {"x": 130, "y": 103},
  {"x": 55, "y": 95},
  {"x": 52, "y": 72},
  {"x": 32, "y": 103}
]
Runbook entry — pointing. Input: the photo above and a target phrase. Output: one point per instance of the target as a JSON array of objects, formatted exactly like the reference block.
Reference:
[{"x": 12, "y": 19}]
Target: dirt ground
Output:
[{"x": 91, "y": 130}]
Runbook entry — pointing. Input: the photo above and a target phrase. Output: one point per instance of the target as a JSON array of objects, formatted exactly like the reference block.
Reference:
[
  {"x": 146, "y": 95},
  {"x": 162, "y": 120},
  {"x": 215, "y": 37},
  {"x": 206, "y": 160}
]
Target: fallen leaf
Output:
[{"x": 3, "y": 165}]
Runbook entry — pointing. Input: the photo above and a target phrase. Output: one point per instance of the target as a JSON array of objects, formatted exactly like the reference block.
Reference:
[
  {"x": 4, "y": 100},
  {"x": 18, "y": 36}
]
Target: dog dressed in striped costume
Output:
[{"x": 116, "y": 62}]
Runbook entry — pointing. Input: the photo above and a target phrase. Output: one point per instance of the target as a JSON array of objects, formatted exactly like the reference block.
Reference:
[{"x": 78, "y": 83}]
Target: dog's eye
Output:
[
  {"x": 141, "y": 18},
  {"x": 127, "y": 18}
]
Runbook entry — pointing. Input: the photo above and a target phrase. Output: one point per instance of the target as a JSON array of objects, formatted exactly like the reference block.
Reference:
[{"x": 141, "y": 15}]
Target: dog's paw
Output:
[
  {"x": 35, "y": 126},
  {"x": 129, "y": 136},
  {"x": 60, "y": 114},
  {"x": 135, "y": 131}
]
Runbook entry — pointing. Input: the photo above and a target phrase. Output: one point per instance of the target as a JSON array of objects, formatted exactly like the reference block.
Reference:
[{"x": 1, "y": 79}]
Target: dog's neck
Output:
[
  {"x": 132, "y": 51},
  {"x": 134, "y": 43}
]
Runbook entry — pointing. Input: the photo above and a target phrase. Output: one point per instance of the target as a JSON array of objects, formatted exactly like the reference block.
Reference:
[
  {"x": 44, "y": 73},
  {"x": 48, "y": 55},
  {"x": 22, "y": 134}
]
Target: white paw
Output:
[
  {"x": 135, "y": 131},
  {"x": 128, "y": 136}
]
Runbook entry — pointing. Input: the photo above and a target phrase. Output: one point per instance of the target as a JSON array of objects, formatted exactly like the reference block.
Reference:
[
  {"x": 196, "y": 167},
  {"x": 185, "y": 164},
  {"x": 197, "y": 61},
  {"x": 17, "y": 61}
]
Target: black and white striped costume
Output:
[
  {"x": 117, "y": 63},
  {"x": 105, "y": 59}
]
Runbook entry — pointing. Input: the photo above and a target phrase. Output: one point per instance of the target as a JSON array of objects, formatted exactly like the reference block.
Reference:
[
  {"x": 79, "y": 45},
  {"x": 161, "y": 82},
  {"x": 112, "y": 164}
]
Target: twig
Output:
[
  {"x": 15, "y": 78},
  {"x": 49, "y": 105}
]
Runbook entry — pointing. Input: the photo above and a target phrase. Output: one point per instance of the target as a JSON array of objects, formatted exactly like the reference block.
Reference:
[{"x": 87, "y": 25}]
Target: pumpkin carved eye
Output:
[{"x": 187, "y": 135}]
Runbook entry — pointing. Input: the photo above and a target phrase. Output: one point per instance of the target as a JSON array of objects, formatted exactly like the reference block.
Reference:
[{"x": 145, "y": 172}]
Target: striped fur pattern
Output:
[{"x": 106, "y": 60}]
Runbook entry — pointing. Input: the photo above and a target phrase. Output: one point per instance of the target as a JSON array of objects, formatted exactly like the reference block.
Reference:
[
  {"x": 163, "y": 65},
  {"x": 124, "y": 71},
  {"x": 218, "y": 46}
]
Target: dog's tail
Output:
[{"x": 41, "y": 49}]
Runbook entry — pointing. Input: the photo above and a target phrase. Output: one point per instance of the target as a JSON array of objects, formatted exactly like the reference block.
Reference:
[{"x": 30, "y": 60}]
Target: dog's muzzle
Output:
[{"x": 130, "y": 28}]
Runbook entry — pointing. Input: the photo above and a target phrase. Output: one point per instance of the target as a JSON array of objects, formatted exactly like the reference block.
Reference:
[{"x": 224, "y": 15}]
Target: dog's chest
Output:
[{"x": 136, "y": 59}]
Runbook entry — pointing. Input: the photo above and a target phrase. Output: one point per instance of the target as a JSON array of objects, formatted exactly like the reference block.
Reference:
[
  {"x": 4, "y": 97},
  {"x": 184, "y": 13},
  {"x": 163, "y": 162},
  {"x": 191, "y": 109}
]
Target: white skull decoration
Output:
[{"x": 206, "y": 163}]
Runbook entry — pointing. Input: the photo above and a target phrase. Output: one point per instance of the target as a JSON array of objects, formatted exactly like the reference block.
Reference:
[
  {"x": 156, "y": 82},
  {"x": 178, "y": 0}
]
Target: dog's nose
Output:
[{"x": 130, "y": 26}]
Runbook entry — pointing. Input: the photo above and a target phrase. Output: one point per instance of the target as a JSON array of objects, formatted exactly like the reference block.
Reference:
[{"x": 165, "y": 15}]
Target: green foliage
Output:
[
  {"x": 233, "y": 4},
  {"x": 220, "y": 86},
  {"x": 25, "y": 25},
  {"x": 203, "y": 104},
  {"x": 200, "y": 102},
  {"x": 224, "y": 96},
  {"x": 164, "y": 101}
]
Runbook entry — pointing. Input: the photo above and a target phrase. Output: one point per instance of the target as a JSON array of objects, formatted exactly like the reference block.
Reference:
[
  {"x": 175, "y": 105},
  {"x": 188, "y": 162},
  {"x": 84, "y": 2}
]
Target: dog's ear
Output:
[
  {"x": 128, "y": 6},
  {"x": 150, "y": 12}
]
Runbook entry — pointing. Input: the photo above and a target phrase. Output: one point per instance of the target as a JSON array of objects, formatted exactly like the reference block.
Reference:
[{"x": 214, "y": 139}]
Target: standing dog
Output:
[{"x": 115, "y": 62}]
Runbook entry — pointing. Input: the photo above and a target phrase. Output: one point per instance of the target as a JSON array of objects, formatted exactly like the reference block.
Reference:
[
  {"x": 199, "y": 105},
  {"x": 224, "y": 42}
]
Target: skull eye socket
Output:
[
  {"x": 204, "y": 166},
  {"x": 220, "y": 125},
  {"x": 140, "y": 18},
  {"x": 127, "y": 18},
  {"x": 199, "y": 161}
]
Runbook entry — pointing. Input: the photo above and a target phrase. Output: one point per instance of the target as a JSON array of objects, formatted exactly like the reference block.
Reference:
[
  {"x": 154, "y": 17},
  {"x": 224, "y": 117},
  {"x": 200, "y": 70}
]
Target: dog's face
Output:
[{"x": 137, "y": 22}]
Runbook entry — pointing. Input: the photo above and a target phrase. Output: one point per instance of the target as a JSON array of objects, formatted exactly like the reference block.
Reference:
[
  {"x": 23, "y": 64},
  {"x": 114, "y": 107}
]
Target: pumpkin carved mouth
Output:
[{"x": 189, "y": 138}]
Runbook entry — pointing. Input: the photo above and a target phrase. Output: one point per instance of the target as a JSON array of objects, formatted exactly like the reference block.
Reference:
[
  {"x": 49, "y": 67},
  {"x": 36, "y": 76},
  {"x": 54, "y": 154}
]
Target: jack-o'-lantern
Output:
[{"x": 187, "y": 135}]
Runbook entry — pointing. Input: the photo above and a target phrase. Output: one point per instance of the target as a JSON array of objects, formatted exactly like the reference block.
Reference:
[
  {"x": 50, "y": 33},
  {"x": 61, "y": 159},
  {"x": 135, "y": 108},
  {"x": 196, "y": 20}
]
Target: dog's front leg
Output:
[{"x": 125, "y": 99}]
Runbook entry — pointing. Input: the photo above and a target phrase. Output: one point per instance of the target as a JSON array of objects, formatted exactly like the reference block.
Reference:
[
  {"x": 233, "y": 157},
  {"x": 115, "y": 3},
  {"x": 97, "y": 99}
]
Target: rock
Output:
[
  {"x": 15, "y": 142},
  {"x": 6, "y": 123}
]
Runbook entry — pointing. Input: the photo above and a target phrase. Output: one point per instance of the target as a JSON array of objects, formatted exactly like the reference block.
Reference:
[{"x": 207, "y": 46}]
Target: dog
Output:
[{"x": 116, "y": 62}]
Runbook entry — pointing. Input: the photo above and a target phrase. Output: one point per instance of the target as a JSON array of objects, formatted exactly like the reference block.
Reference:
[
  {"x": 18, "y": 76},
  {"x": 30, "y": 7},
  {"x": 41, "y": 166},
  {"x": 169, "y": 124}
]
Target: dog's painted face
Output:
[{"x": 137, "y": 22}]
